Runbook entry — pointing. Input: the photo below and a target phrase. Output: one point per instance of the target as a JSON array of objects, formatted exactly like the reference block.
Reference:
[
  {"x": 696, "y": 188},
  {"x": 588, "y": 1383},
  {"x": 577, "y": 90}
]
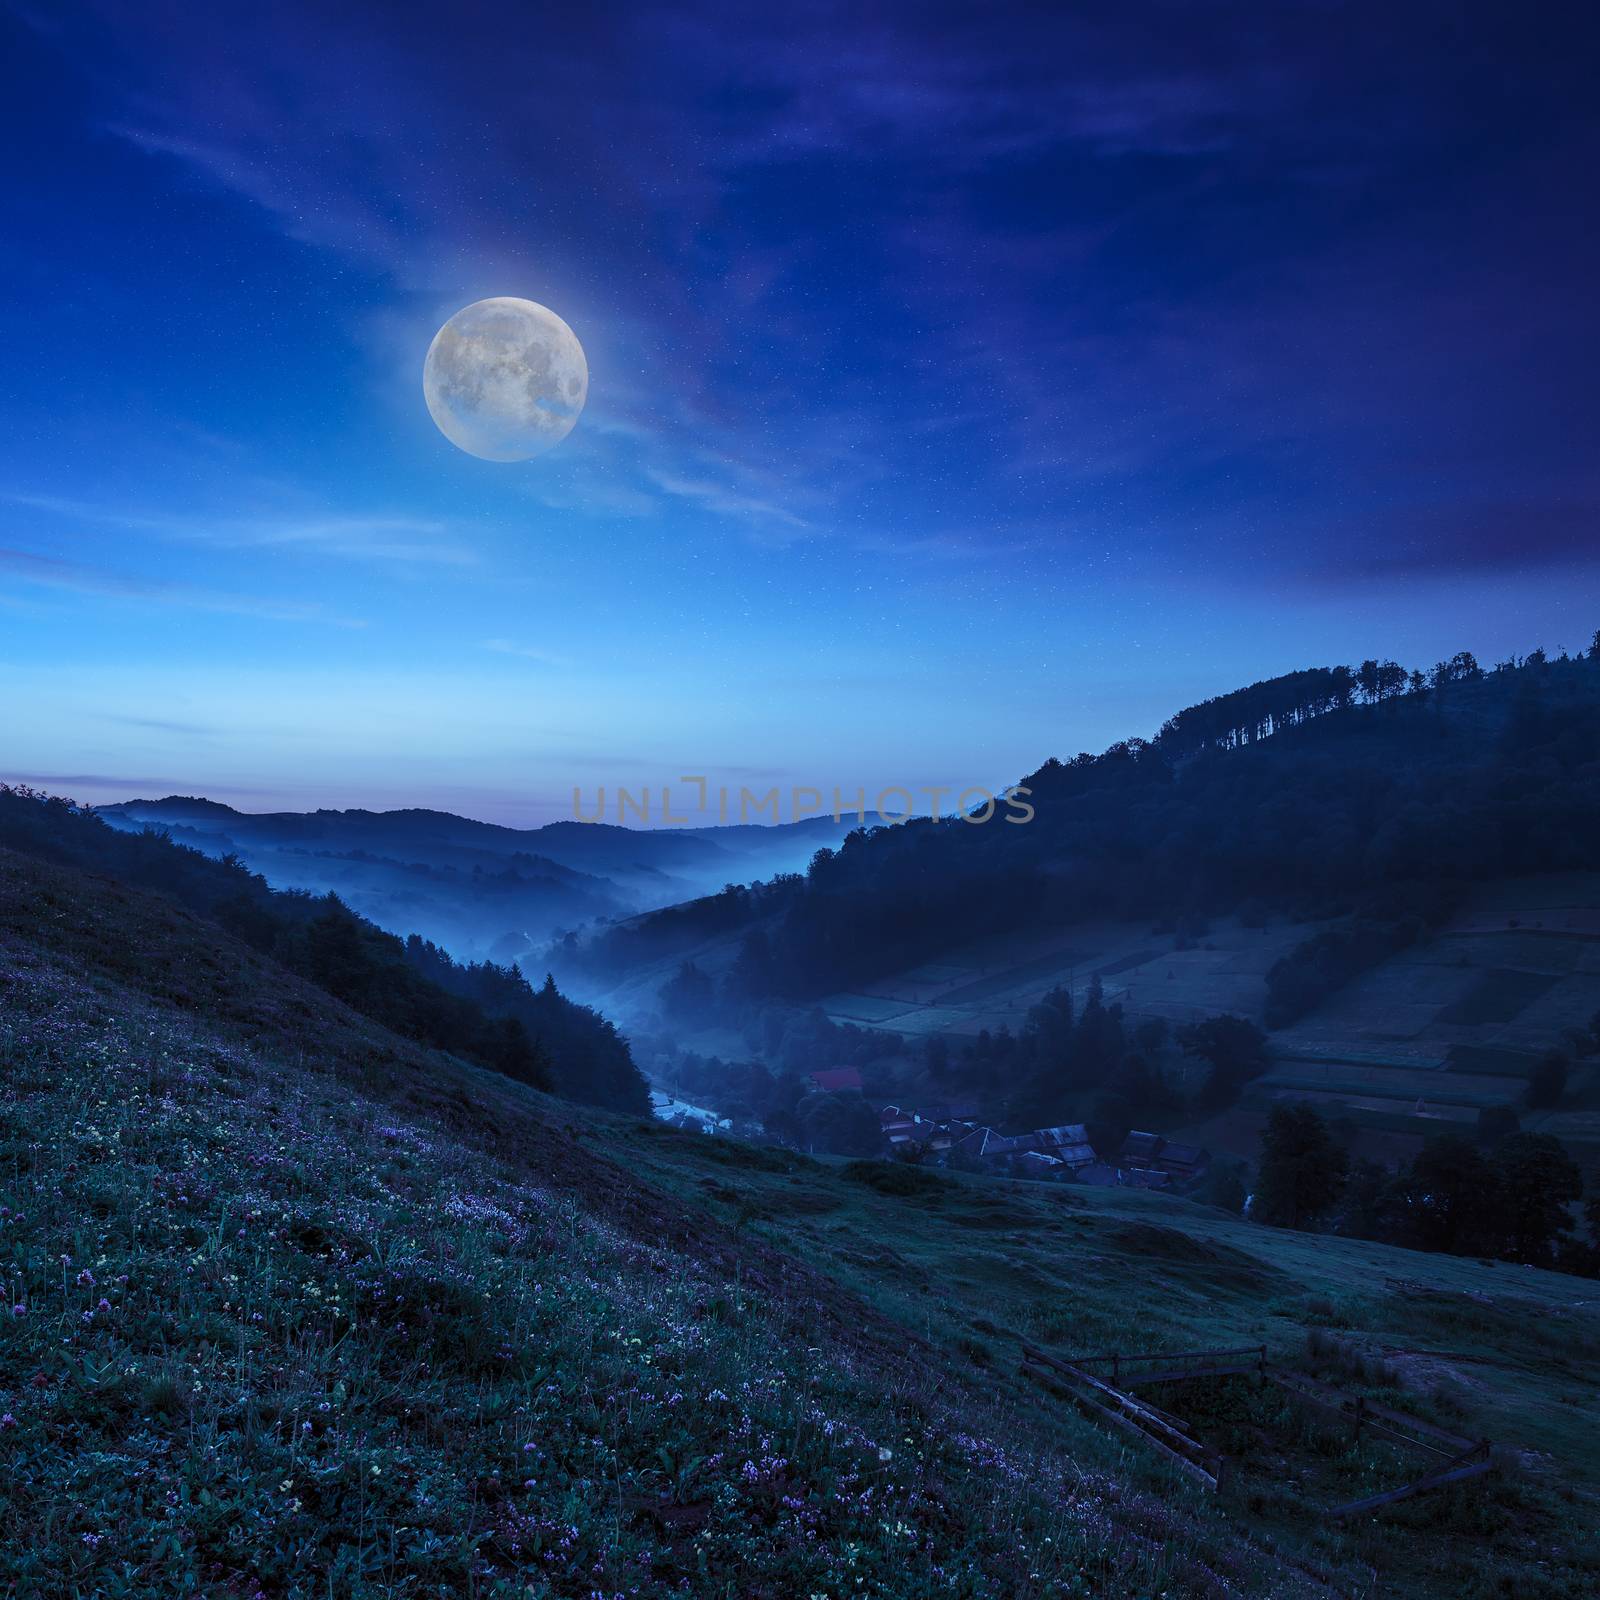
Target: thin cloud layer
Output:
[{"x": 48, "y": 572}]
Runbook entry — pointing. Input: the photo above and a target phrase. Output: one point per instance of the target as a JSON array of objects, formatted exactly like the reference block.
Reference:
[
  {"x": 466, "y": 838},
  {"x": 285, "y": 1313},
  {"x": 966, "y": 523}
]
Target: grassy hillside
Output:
[
  {"x": 296, "y": 1308},
  {"x": 306, "y": 1309}
]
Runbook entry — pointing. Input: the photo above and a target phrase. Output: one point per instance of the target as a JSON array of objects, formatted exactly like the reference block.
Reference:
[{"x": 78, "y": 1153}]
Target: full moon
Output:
[{"x": 505, "y": 379}]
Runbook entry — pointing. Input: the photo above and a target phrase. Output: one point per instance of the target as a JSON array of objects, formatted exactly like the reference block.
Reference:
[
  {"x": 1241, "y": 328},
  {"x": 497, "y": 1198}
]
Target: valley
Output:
[{"x": 343, "y": 1311}]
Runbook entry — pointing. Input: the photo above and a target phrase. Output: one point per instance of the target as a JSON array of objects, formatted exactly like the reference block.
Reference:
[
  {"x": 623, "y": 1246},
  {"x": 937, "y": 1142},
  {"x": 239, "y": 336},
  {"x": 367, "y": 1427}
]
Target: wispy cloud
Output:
[
  {"x": 724, "y": 501},
  {"x": 147, "y": 788},
  {"x": 525, "y": 652},
  {"x": 188, "y": 730},
  {"x": 257, "y": 175},
  {"x": 1171, "y": 324},
  {"x": 381, "y": 538},
  {"x": 80, "y": 578}
]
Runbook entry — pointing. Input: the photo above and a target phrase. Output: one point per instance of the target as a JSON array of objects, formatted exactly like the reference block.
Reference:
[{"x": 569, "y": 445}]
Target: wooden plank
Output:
[
  {"x": 1193, "y": 1468},
  {"x": 1394, "y": 1436},
  {"x": 1127, "y": 1405},
  {"x": 1314, "y": 1390},
  {"x": 1437, "y": 1480},
  {"x": 1134, "y": 1416},
  {"x": 1404, "y": 1419},
  {"x": 1166, "y": 1416},
  {"x": 1142, "y": 1413},
  {"x": 1465, "y": 1460}
]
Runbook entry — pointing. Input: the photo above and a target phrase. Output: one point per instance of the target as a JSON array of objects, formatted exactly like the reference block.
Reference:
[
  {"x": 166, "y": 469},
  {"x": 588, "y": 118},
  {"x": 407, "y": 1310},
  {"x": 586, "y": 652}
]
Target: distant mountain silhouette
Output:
[{"x": 478, "y": 888}]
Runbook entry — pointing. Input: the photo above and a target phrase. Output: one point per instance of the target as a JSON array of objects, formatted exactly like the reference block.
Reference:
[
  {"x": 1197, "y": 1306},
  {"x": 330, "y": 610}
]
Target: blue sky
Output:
[{"x": 967, "y": 385}]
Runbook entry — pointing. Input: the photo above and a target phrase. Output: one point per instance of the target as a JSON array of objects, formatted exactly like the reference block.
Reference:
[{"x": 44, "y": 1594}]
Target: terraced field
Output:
[
  {"x": 1449, "y": 1027},
  {"x": 992, "y": 985}
]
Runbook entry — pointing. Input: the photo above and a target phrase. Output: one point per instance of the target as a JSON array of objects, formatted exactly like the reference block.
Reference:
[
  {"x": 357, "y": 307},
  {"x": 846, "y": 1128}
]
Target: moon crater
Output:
[{"x": 505, "y": 379}]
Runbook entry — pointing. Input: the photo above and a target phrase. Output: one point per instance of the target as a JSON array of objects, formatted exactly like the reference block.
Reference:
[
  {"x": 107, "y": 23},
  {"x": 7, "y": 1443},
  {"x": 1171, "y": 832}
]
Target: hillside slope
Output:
[
  {"x": 296, "y": 1308},
  {"x": 1347, "y": 881},
  {"x": 306, "y": 1309}
]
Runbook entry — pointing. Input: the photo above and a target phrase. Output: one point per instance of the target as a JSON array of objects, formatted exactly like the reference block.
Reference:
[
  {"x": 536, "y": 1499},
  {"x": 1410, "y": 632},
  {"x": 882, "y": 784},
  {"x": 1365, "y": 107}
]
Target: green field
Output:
[
  {"x": 1498, "y": 996},
  {"x": 864, "y": 1008}
]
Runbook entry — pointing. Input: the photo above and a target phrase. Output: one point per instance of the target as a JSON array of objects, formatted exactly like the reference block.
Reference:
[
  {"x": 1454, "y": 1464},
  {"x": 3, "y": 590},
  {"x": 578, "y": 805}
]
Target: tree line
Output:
[
  {"x": 1262, "y": 709},
  {"x": 1505, "y": 1194},
  {"x": 487, "y": 1013}
]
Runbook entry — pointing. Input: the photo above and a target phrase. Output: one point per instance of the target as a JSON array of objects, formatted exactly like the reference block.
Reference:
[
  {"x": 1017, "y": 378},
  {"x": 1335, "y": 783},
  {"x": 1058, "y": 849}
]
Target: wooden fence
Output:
[
  {"x": 1167, "y": 1435},
  {"x": 1105, "y": 1392},
  {"x": 1457, "y": 1458},
  {"x": 1171, "y": 1366}
]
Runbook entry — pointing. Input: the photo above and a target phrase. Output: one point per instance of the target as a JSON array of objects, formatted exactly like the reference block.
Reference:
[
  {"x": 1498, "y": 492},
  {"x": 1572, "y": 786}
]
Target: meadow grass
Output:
[
  {"x": 263, "y": 1337},
  {"x": 975, "y": 1265}
]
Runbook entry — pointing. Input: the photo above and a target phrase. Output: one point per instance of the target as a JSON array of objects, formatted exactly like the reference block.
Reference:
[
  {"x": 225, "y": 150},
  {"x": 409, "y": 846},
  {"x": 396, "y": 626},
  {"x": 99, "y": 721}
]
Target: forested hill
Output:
[
  {"x": 1262, "y": 709},
  {"x": 487, "y": 1013},
  {"x": 1367, "y": 791}
]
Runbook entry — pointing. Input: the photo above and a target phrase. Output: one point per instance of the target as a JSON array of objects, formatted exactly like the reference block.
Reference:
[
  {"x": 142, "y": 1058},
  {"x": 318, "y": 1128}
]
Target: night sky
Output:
[{"x": 968, "y": 384}]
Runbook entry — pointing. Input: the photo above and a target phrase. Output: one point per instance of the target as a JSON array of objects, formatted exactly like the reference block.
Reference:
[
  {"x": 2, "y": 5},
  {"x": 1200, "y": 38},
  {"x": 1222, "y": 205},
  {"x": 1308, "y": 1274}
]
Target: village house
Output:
[
  {"x": 984, "y": 1144},
  {"x": 680, "y": 1114},
  {"x": 900, "y": 1128},
  {"x": 1139, "y": 1149},
  {"x": 1144, "y": 1160},
  {"x": 1151, "y": 1153},
  {"x": 1183, "y": 1163},
  {"x": 924, "y": 1132},
  {"x": 1036, "y": 1164},
  {"x": 944, "y": 1134},
  {"x": 1069, "y": 1144}
]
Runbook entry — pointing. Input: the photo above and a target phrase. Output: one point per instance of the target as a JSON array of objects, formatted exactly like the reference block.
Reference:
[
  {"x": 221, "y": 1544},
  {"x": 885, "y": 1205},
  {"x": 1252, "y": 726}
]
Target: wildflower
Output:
[
  {"x": 8, "y": 1421},
  {"x": 885, "y": 1453},
  {"x": 19, "y": 1310}
]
